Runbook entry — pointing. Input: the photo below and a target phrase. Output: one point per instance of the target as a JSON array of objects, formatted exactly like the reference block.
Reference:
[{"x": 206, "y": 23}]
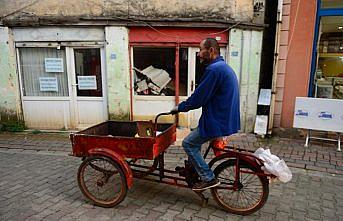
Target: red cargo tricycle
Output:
[{"x": 111, "y": 150}]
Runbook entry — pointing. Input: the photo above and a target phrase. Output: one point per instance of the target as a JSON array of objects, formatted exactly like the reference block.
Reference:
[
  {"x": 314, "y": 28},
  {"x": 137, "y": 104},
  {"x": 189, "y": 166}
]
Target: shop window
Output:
[
  {"x": 154, "y": 71},
  {"x": 43, "y": 72},
  {"x": 329, "y": 73},
  {"x": 331, "y": 4}
]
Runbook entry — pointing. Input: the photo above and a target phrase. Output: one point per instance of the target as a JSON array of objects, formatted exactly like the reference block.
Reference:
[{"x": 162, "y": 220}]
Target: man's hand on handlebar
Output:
[{"x": 174, "y": 110}]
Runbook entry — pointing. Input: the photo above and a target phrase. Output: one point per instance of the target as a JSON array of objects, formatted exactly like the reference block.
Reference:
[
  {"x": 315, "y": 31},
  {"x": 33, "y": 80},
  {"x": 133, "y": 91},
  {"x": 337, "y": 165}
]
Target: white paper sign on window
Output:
[
  {"x": 48, "y": 84},
  {"x": 86, "y": 82},
  {"x": 54, "y": 65}
]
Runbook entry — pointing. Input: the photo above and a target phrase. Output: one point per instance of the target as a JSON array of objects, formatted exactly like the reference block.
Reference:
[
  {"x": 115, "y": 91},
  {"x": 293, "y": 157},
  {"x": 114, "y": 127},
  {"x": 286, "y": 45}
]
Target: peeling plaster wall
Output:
[
  {"x": 118, "y": 77},
  {"x": 241, "y": 10},
  {"x": 9, "y": 94}
]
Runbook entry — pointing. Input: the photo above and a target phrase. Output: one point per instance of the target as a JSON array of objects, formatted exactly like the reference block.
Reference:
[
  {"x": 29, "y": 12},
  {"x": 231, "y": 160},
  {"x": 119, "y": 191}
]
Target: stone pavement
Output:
[
  {"x": 319, "y": 156},
  {"x": 44, "y": 187},
  {"x": 38, "y": 182}
]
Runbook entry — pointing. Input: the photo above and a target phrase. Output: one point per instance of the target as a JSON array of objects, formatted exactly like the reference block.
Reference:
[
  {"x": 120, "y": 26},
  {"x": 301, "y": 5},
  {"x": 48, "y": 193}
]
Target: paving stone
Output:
[
  {"x": 282, "y": 216},
  {"x": 215, "y": 218},
  {"x": 44, "y": 186},
  {"x": 152, "y": 215},
  {"x": 328, "y": 204},
  {"x": 186, "y": 214},
  {"x": 310, "y": 167},
  {"x": 204, "y": 213},
  {"x": 169, "y": 215}
]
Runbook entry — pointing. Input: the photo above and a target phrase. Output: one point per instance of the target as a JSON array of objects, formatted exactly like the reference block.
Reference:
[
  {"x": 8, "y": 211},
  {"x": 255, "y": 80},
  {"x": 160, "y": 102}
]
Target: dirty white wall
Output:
[
  {"x": 9, "y": 89},
  {"x": 22, "y": 10},
  {"x": 118, "y": 75}
]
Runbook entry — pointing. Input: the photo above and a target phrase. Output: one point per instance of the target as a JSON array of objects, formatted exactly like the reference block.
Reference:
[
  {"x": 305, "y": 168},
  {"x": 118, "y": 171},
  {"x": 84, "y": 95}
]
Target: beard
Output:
[{"x": 205, "y": 60}]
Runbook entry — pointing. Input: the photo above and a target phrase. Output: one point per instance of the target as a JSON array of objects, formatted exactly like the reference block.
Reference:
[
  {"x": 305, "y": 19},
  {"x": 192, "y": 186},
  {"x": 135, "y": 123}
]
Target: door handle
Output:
[
  {"x": 74, "y": 84},
  {"x": 192, "y": 85}
]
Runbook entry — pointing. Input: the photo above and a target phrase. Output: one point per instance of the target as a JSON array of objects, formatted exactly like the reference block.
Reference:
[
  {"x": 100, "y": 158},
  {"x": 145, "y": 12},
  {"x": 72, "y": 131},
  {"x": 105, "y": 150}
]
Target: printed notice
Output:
[
  {"x": 86, "y": 82},
  {"x": 265, "y": 97},
  {"x": 54, "y": 65},
  {"x": 48, "y": 84},
  {"x": 261, "y": 124}
]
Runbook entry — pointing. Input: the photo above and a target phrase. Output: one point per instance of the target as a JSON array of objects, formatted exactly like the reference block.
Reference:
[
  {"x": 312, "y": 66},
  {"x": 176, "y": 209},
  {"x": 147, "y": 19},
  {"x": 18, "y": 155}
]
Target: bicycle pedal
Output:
[{"x": 178, "y": 168}]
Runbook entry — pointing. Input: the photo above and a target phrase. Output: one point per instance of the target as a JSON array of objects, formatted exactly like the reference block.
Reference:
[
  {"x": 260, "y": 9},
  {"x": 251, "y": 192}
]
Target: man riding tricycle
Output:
[{"x": 111, "y": 150}]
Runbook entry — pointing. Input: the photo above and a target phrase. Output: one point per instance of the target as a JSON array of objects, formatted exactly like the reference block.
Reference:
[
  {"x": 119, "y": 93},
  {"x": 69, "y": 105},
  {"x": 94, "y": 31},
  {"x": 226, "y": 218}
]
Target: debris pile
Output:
[{"x": 151, "y": 81}]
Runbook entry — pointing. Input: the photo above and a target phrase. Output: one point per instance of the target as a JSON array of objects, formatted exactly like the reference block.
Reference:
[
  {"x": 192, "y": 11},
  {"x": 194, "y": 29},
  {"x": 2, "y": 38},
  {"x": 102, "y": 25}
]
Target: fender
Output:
[
  {"x": 249, "y": 158},
  {"x": 118, "y": 159}
]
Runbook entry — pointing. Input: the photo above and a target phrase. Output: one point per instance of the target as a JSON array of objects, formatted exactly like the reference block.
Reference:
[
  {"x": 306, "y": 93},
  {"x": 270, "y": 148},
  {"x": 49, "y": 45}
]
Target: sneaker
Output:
[{"x": 205, "y": 185}]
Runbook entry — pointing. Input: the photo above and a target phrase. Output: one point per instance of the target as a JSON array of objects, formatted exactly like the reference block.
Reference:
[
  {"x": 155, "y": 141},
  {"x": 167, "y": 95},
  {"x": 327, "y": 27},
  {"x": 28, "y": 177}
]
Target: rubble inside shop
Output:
[{"x": 151, "y": 81}]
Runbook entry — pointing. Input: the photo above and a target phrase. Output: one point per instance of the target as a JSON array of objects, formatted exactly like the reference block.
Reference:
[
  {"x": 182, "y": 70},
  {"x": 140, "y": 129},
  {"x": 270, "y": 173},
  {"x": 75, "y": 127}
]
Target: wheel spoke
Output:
[
  {"x": 250, "y": 193},
  {"x": 246, "y": 199},
  {"x": 101, "y": 181}
]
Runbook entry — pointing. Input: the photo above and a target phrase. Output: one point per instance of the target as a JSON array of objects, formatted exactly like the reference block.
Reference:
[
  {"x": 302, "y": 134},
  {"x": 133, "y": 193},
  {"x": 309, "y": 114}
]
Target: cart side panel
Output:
[
  {"x": 126, "y": 147},
  {"x": 164, "y": 140},
  {"x": 99, "y": 129}
]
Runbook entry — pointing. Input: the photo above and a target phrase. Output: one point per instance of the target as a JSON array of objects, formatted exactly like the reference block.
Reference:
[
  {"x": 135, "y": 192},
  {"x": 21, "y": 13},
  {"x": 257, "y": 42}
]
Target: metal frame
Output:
[
  {"x": 159, "y": 174},
  {"x": 308, "y": 137}
]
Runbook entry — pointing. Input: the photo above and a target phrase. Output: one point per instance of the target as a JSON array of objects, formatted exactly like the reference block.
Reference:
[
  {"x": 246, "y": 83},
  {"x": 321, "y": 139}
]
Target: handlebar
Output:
[{"x": 161, "y": 114}]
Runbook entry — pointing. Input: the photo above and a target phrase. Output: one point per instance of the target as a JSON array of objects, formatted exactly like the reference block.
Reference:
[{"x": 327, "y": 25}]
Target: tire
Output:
[
  {"x": 249, "y": 197},
  {"x": 102, "y": 181}
]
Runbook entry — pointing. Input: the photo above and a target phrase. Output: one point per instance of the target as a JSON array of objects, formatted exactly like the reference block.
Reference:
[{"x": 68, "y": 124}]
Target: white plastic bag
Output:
[{"x": 272, "y": 164}]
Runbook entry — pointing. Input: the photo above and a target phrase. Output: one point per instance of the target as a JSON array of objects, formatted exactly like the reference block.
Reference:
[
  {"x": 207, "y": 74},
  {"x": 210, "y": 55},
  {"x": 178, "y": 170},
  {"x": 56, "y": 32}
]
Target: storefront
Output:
[
  {"x": 62, "y": 76},
  {"x": 166, "y": 70},
  {"x": 75, "y": 77},
  {"x": 70, "y": 69},
  {"x": 327, "y": 65},
  {"x": 310, "y": 58}
]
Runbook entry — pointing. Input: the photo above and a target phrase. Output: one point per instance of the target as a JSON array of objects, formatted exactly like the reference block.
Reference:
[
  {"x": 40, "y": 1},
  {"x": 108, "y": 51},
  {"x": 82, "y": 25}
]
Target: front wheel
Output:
[
  {"x": 243, "y": 196},
  {"x": 102, "y": 181}
]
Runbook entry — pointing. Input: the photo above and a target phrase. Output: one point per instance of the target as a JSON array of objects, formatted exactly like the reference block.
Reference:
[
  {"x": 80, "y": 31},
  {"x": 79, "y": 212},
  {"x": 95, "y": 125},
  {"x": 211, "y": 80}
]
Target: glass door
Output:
[
  {"x": 195, "y": 71},
  {"x": 88, "y": 86}
]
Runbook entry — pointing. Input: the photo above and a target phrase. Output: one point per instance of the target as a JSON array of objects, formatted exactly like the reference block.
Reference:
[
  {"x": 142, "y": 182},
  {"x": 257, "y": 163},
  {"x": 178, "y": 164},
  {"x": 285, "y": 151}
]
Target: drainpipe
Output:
[{"x": 275, "y": 66}]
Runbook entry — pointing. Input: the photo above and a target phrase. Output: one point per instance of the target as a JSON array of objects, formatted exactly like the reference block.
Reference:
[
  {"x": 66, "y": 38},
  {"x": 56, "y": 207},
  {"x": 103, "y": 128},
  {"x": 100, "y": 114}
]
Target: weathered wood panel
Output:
[{"x": 245, "y": 58}]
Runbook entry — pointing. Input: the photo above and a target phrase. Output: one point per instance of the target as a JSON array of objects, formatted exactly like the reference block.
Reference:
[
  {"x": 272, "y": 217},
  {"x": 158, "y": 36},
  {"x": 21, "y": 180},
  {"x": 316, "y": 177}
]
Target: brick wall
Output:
[
  {"x": 294, "y": 62},
  {"x": 282, "y": 61}
]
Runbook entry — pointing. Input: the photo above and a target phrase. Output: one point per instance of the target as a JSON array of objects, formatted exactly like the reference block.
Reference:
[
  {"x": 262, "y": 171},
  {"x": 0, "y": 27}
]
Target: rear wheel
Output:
[
  {"x": 102, "y": 181},
  {"x": 251, "y": 192}
]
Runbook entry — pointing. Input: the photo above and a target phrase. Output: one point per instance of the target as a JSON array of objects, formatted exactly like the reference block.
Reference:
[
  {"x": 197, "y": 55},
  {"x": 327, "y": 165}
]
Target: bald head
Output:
[
  {"x": 211, "y": 43},
  {"x": 209, "y": 50}
]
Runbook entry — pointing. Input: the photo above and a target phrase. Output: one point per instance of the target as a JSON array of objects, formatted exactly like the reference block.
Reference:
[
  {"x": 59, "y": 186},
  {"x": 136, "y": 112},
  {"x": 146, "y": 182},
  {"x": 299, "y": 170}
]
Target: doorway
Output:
[
  {"x": 196, "y": 70},
  {"x": 88, "y": 96}
]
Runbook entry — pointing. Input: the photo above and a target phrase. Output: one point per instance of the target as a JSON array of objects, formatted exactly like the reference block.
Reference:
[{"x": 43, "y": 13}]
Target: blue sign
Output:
[
  {"x": 302, "y": 113},
  {"x": 234, "y": 53},
  {"x": 325, "y": 115}
]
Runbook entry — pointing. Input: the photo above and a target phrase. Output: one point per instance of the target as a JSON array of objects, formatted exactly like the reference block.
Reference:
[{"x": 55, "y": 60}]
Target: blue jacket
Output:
[{"x": 218, "y": 95}]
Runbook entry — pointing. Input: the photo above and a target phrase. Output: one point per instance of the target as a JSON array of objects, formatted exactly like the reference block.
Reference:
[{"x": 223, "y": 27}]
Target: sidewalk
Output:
[{"x": 319, "y": 156}]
